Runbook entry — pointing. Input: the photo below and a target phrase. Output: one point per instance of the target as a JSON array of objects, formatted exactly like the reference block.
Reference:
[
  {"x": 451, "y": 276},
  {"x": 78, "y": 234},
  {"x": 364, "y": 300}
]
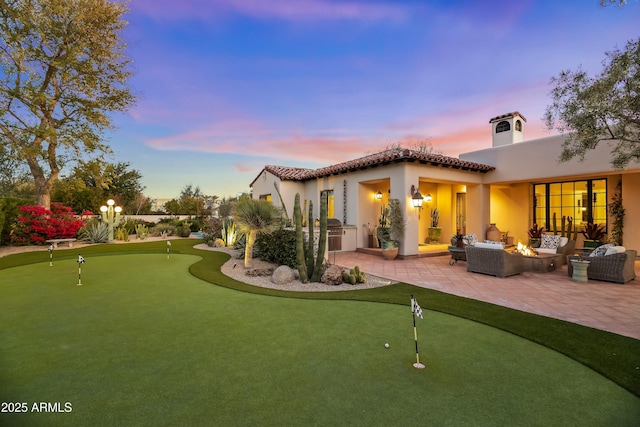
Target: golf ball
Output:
[{"x": 386, "y": 345}]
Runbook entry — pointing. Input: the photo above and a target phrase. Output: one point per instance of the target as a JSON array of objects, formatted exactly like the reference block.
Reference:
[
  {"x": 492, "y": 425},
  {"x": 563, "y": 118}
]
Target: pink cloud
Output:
[{"x": 288, "y": 10}]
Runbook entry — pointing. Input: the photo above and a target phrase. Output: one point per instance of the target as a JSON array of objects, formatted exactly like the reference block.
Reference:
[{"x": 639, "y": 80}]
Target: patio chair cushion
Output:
[
  {"x": 549, "y": 241},
  {"x": 490, "y": 245},
  {"x": 546, "y": 250}
]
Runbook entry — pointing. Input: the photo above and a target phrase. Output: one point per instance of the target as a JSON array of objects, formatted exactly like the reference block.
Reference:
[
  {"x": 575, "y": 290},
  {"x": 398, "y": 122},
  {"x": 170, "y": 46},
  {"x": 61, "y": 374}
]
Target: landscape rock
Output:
[
  {"x": 333, "y": 275},
  {"x": 283, "y": 275}
]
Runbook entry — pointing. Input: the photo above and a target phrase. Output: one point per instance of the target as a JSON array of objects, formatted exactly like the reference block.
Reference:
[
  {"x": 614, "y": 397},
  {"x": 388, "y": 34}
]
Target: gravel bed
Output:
[{"x": 234, "y": 268}]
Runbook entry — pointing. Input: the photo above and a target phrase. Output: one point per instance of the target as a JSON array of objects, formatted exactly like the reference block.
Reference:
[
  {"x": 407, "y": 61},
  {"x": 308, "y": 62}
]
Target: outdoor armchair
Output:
[
  {"x": 496, "y": 262},
  {"x": 617, "y": 268}
]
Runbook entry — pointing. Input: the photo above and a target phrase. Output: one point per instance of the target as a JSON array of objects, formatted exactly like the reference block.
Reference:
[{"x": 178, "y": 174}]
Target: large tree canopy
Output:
[
  {"x": 91, "y": 183},
  {"x": 62, "y": 71},
  {"x": 601, "y": 108}
]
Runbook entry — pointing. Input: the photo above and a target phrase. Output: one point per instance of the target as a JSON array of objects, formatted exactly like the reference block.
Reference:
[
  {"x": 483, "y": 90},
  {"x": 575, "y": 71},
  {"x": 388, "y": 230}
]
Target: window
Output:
[
  {"x": 518, "y": 125},
  {"x": 503, "y": 126},
  {"x": 584, "y": 201},
  {"x": 266, "y": 197},
  {"x": 330, "y": 203}
]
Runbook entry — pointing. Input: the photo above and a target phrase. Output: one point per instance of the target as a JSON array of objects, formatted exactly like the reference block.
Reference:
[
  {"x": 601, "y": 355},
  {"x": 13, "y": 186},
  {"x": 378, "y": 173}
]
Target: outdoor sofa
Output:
[
  {"x": 492, "y": 259},
  {"x": 617, "y": 267},
  {"x": 563, "y": 246}
]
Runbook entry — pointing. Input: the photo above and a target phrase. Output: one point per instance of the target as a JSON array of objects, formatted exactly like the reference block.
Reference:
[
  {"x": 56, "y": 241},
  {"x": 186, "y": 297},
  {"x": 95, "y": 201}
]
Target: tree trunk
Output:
[
  {"x": 248, "y": 249},
  {"x": 42, "y": 183}
]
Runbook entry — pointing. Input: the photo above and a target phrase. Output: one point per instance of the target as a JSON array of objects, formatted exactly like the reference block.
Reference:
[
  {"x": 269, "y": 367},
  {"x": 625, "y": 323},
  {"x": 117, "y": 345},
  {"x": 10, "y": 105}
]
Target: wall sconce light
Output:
[
  {"x": 378, "y": 196},
  {"x": 428, "y": 198},
  {"x": 416, "y": 197}
]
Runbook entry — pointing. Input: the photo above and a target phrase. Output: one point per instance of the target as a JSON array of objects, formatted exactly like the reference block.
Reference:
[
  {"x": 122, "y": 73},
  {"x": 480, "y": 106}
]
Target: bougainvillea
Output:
[{"x": 36, "y": 224}]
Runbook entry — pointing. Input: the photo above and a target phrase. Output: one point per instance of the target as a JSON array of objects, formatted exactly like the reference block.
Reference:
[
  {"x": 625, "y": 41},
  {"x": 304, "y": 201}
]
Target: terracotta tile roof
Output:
[
  {"x": 506, "y": 116},
  {"x": 393, "y": 155}
]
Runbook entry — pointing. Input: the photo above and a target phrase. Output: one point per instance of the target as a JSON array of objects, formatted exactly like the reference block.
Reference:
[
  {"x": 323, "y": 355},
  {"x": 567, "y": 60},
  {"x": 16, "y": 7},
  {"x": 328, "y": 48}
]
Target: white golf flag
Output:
[
  {"x": 80, "y": 259},
  {"x": 168, "y": 243},
  {"x": 50, "y": 248},
  {"x": 415, "y": 308}
]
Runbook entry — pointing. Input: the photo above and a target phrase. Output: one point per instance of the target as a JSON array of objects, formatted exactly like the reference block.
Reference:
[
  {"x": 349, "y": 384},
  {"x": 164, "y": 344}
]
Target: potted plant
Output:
[
  {"x": 593, "y": 234},
  {"x": 382, "y": 232},
  {"x": 396, "y": 230},
  {"x": 434, "y": 230},
  {"x": 535, "y": 234}
]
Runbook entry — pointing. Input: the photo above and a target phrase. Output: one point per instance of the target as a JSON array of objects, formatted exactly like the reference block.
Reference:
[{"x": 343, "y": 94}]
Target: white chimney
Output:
[{"x": 507, "y": 129}]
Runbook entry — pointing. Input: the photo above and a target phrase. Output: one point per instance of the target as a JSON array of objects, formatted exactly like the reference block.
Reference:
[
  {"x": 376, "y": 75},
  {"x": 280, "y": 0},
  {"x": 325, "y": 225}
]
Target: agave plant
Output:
[
  {"x": 96, "y": 232},
  {"x": 594, "y": 231},
  {"x": 535, "y": 231},
  {"x": 228, "y": 232}
]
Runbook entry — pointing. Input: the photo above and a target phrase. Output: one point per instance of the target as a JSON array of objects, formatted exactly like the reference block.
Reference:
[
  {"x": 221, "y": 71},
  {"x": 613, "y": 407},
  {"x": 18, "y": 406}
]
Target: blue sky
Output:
[{"x": 228, "y": 86}]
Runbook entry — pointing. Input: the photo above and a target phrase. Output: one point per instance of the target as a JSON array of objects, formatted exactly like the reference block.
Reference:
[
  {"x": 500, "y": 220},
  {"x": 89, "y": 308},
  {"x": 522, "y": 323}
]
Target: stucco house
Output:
[{"x": 513, "y": 184}]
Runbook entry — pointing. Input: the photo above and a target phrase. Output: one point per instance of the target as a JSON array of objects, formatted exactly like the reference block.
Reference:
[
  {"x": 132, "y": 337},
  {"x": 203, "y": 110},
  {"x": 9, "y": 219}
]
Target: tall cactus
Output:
[
  {"x": 310, "y": 252},
  {"x": 322, "y": 243},
  {"x": 300, "y": 260}
]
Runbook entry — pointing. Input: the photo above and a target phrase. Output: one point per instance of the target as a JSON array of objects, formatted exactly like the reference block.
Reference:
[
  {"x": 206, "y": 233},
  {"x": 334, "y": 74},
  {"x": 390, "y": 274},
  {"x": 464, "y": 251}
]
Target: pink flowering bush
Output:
[{"x": 36, "y": 224}]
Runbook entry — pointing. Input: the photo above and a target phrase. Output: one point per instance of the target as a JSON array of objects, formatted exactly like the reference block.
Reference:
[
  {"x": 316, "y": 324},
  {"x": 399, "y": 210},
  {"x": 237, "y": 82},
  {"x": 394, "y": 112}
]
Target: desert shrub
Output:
[
  {"x": 9, "y": 211},
  {"x": 94, "y": 232},
  {"x": 213, "y": 227},
  {"x": 278, "y": 247},
  {"x": 165, "y": 229},
  {"x": 184, "y": 230},
  {"x": 195, "y": 225},
  {"x": 35, "y": 224}
]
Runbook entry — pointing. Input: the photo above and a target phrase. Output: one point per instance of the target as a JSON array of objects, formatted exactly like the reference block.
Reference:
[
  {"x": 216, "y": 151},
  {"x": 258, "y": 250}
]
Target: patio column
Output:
[
  {"x": 401, "y": 181},
  {"x": 478, "y": 209}
]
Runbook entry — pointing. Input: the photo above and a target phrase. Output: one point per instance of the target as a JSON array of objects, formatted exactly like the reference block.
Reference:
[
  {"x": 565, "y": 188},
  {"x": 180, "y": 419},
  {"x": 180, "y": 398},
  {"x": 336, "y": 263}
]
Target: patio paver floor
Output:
[{"x": 601, "y": 305}]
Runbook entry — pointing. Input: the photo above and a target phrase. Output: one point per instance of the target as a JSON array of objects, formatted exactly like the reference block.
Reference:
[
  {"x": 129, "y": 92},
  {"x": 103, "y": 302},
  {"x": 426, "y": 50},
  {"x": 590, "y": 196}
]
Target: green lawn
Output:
[{"x": 143, "y": 342}]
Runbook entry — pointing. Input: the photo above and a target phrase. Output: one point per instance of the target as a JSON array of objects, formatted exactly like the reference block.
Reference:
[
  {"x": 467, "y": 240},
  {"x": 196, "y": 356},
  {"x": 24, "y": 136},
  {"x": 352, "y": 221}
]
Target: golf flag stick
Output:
[
  {"x": 80, "y": 262},
  {"x": 168, "y": 247},
  {"x": 50, "y": 256},
  {"x": 416, "y": 310}
]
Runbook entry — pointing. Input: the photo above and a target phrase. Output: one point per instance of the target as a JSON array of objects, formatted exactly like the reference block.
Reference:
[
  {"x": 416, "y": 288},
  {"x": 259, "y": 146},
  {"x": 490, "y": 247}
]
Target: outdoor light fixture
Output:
[
  {"x": 111, "y": 215},
  {"x": 416, "y": 197},
  {"x": 378, "y": 196}
]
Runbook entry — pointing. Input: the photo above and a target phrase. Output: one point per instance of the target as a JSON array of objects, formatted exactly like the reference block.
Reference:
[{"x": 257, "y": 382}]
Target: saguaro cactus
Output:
[
  {"x": 322, "y": 243},
  {"x": 311, "y": 262},
  {"x": 300, "y": 259}
]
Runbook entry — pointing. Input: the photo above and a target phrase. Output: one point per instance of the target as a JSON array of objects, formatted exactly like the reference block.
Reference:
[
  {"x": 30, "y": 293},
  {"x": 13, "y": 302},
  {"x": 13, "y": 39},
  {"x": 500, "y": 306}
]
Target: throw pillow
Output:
[
  {"x": 615, "y": 250},
  {"x": 563, "y": 241},
  {"x": 470, "y": 239},
  {"x": 601, "y": 250},
  {"x": 549, "y": 241}
]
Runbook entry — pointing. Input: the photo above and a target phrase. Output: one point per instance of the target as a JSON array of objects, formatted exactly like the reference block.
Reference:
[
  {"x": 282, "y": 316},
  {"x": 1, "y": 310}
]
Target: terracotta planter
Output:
[
  {"x": 493, "y": 233},
  {"x": 390, "y": 253}
]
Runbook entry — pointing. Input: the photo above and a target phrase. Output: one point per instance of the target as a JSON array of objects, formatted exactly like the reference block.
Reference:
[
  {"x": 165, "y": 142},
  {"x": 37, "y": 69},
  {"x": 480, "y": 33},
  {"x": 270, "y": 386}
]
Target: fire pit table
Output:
[{"x": 541, "y": 263}]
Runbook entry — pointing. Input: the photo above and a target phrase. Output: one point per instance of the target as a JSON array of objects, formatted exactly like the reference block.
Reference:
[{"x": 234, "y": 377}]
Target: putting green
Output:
[{"x": 142, "y": 342}]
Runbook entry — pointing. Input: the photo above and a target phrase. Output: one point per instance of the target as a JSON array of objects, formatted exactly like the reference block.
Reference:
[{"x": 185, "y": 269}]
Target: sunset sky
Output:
[{"x": 228, "y": 86}]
